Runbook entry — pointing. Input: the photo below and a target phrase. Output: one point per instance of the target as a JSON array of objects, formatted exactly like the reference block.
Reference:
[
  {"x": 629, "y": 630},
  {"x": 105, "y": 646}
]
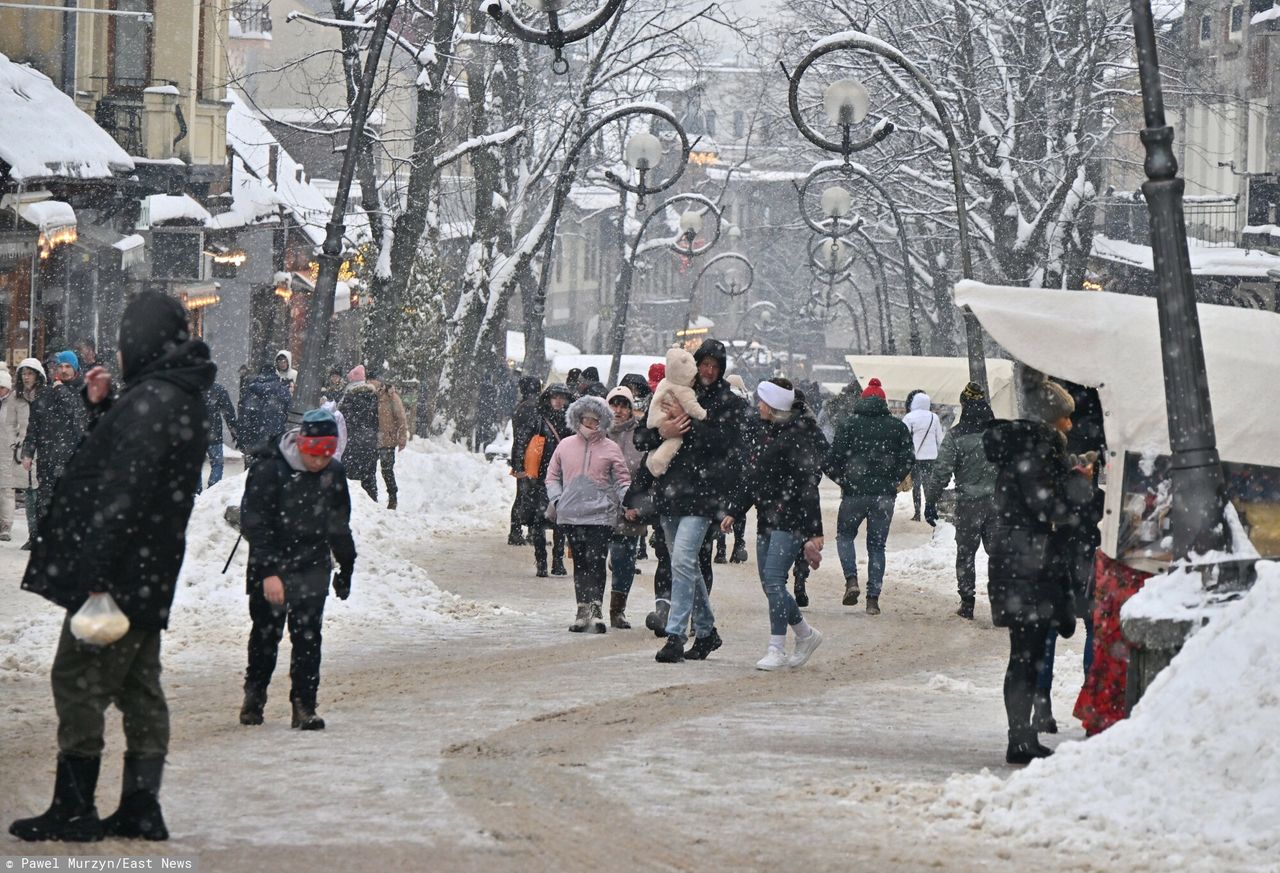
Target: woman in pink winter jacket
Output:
[{"x": 586, "y": 481}]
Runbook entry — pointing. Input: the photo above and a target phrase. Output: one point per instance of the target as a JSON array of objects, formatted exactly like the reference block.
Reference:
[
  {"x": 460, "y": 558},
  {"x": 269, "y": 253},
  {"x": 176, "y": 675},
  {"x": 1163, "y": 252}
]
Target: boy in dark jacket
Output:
[
  {"x": 296, "y": 515},
  {"x": 137, "y": 471},
  {"x": 870, "y": 455}
]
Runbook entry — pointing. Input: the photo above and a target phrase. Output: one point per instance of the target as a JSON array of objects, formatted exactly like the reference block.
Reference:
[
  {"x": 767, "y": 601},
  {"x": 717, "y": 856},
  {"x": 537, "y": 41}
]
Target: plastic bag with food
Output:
[{"x": 99, "y": 621}]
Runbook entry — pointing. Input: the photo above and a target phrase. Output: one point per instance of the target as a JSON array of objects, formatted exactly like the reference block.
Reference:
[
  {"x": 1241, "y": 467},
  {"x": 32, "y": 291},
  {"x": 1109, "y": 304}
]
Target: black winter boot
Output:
[
  {"x": 516, "y": 536},
  {"x": 597, "y": 625},
  {"x": 557, "y": 567},
  {"x": 139, "y": 815},
  {"x": 1042, "y": 720},
  {"x": 671, "y": 653},
  {"x": 704, "y": 646},
  {"x": 801, "y": 593},
  {"x": 583, "y": 619},
  {"x": 617, "y": 610},
  {"x": 739, "y": 555},
  {"x": 851, "y": 591},
  {"x": 305, "y": 718},
  {"x": 1023, "y": 748},
  {"x": 255, "y": 700},
  {"x": 722, "y": 556},
  {"x": 966, "y": 608},
  {"x": 72, "y": 817},
  {"x": 656, "y": 621}
]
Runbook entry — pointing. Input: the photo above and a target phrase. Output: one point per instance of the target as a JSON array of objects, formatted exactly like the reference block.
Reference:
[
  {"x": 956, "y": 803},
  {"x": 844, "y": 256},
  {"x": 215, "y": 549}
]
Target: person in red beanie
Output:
[
  {"x": 657, "y": 372},
  {"x": 869, "y": 457}
]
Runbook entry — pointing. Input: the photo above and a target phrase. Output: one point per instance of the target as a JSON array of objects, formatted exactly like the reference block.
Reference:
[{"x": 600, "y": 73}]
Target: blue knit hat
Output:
[
  {"x": 319, "y": 422},
  {"x": 68, "y": 357}
]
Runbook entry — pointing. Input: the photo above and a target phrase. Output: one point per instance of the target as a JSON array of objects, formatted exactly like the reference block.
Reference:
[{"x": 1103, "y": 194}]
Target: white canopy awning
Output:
[
  {"x": 941, "y": 378},
  {"x": 1111, "y": 342}
]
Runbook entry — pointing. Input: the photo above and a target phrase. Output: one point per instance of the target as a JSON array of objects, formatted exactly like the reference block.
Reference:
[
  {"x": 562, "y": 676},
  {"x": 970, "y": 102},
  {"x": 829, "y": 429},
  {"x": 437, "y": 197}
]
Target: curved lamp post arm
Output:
[
  {"x": 857, "y": 41},
  {"x": 555, "y": 37},
  {"x": 733, "y": 291},
  {"x": 626, "y": 269},
  {"x": 847, "y": 145}
]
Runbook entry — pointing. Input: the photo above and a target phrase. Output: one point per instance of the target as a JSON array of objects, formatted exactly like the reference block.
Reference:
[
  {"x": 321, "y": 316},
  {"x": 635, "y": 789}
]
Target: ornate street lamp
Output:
[
  {"x": 843, "y": 101},
  {"x": 684, "y": 243},
  {"x": 836, "y": 203},
  {"x": 642, "y": 154},
  {"x": 503, "y": 12},
  {"x": 735, "y": 279}
]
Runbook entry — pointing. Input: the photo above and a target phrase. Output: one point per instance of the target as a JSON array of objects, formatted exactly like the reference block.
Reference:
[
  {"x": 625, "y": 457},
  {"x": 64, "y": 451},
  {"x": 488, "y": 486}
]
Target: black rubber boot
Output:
[
  {"x": 617, "y": 610},
  {"x": 1042, "y": 720},
  {"x": 139, "y": 815},
  {"x": 966, "y": 608},
  {"x": 305, "y": 718},
  {"x": 255, "y": 700},
  {"x": 72, "y": 817},
  {"x": 801, "y": 593},
  {"x": 739, "y": 555},
  {"x": 1023, "y": 748}
]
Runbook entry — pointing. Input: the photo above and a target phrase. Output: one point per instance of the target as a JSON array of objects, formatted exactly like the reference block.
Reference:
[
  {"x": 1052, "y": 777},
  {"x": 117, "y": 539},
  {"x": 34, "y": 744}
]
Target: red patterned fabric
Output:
[{"x": 1101, "y": 700}]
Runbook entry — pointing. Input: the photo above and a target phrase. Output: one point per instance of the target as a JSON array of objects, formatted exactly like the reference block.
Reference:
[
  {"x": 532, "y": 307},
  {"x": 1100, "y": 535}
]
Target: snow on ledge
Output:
[{"x": 162, "y": 208}]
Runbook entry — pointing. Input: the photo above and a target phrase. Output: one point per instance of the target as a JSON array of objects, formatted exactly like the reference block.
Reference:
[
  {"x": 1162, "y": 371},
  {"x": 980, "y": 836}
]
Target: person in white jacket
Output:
[
  {"x": 926, "y": 438},
  {"x": 14, "y": 412}
]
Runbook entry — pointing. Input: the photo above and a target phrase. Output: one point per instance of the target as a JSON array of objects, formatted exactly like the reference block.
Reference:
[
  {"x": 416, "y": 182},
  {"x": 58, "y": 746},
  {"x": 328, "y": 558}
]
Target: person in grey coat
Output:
[{"x": 962, "y": 456}]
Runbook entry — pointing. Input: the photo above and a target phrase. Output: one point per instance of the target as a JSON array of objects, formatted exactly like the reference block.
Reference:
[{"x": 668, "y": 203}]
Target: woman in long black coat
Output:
[
  {"x": 550, "y": 425},
  {"x": 1037, "y": 494}
]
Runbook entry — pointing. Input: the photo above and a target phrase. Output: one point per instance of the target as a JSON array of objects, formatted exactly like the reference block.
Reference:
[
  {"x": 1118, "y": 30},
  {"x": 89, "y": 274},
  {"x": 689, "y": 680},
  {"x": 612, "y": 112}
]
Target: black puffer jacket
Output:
[
  {"x": 1037, "y": 497},
  {"x": 57, "y": 424},
  {"x": 783, "y": 481},
  {"x": 294, "y": 519},
  {"x": 118, "y": 518},
  {"x": 705, "y": 478},
  {"x": 360, "y": 408}
]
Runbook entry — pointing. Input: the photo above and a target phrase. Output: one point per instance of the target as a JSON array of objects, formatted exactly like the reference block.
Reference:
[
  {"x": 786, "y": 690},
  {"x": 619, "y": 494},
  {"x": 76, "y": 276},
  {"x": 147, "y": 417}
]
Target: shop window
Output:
[
  {"x": 1237, "y": 21},
  {"x": 1206, "y": 29}
]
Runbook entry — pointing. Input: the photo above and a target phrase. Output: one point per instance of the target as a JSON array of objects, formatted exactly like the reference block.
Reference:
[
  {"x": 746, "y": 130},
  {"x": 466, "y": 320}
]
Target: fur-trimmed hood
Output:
[{"x": 585, "y": 404}]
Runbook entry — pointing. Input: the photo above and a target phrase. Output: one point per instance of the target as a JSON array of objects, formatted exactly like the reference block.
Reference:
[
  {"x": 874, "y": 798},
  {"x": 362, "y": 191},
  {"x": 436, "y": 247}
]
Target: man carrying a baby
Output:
[{"x": 695, "y": 490}]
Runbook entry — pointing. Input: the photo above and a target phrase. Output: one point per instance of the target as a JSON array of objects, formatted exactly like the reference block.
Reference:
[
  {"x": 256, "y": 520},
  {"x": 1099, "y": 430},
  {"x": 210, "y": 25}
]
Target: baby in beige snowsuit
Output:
[{"x": 676, "y": 386}]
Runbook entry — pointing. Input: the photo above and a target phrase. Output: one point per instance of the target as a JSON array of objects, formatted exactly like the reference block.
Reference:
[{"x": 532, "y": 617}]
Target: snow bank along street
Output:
[{"x": 468, "y": 731}]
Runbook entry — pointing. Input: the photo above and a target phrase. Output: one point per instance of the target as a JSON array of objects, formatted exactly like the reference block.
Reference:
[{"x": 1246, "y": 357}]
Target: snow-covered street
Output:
[{"x": 468, "y": 731}]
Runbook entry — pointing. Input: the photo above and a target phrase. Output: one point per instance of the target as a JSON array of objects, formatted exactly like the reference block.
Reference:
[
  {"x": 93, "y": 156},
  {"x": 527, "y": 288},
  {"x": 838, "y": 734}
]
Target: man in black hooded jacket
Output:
[
  {"x": 137, "y": 470},
  {"x": 704, "y": 480}
]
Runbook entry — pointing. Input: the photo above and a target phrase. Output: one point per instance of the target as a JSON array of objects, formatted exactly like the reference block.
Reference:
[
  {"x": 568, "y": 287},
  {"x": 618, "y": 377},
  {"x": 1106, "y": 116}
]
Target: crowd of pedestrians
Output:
[{"x": 685, "y": 453}]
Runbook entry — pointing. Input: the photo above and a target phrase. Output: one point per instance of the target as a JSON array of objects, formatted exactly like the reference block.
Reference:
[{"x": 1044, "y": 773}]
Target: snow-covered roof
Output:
[
  {"x": 554, "y": 347},
  {"x": 48, "y": 215},
  {"x": 162, "y": 208},
  {"x": 1272, "y": 14},
  {"x": 1112, "y": 342},
  {"x": 43, "y": 134},
  {"x": 252, "y": 202},
  {"x": 594, "y": 198},
  {"x": 252, "y": 142},
  {"x": 1205, "y": 260}
]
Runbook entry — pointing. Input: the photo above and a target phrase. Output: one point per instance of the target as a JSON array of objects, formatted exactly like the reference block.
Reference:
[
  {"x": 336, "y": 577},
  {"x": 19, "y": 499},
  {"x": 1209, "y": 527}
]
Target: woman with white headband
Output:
[{"x": 784, "y": 489}]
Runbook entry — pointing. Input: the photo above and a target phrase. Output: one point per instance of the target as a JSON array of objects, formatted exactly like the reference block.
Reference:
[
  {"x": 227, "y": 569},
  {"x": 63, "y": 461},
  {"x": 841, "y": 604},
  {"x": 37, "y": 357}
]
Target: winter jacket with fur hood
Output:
[{"x": 588, "y": 476}]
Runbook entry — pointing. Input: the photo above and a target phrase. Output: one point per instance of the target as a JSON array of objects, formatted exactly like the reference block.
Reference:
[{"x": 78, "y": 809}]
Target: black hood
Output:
[
  {"x": 1004, "y": 442},
  {"x": 715, "y": 350},
  {"x": 871, "y": 406},
  {"x": 153, "y": 325},
  {"x": 186, "y": 365},
  {"x": 974, "y": 415}
]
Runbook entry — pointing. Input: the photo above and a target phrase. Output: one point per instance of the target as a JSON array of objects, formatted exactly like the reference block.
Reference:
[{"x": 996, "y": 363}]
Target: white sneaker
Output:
[
  {"x": 805, "y": 648},
  {"x": 774, "y": 659}
]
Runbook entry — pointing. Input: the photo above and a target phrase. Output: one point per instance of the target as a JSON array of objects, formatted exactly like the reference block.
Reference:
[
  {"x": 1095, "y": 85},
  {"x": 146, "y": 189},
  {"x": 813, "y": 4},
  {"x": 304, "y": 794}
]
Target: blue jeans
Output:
[
  {"x": 215, "y": 464},
  {"x": 214, "y": 453},
  {"x": 775, "y": 554},
  {"x": 1044, "y": 676},
  {"x": 622, "y": 560},
  {"x": 685, "y": 534},
  {"x": 877, "y": 512}
]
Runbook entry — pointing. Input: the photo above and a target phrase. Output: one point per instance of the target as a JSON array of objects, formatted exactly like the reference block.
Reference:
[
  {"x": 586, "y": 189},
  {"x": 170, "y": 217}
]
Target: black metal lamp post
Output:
[
  {"x": 836, "y": 205},
  {"x": 503, "y": 12},
  {"x": 1196, "y": 522},
  {"x": 735, "y": 281},
  {"x": 845, "y": 103},
  {"x": 691, "y": 222},
  {"x": 644, "y": 151}
]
